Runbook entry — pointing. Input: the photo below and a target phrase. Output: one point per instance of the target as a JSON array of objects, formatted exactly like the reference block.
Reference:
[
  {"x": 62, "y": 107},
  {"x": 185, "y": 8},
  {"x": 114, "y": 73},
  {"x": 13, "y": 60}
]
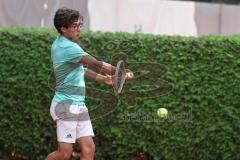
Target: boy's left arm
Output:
[{"x": 90, "y": 74}]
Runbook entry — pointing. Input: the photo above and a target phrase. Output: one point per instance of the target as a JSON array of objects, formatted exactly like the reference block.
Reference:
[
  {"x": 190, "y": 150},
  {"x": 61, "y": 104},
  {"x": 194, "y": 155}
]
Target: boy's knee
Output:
[
  {"x": 88, "y": 150},
  {"x": 67, "y": 153},
  {"x": 60, "y": 155}
]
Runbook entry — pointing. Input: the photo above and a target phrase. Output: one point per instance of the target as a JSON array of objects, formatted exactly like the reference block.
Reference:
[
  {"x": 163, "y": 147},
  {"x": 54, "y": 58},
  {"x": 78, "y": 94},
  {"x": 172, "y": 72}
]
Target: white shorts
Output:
[{"x": 73, "y": 122}]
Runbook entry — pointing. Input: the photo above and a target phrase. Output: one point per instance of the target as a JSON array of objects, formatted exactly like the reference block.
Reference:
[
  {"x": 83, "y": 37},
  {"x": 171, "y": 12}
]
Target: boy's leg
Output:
[
  {"x": 87, "y": 147},
  {"x": 84, "y": 136},
  {"x": 64, "y": 152}
]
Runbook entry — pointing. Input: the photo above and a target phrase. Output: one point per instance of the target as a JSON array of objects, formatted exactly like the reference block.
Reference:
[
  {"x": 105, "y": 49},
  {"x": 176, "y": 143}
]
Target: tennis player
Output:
[{"x": 68, "y": 59}]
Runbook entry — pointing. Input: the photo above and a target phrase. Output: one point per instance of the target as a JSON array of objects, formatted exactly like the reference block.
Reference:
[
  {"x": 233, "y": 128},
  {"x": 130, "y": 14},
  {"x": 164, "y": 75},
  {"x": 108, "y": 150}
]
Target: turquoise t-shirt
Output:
[{"x": 69, "y": 71}]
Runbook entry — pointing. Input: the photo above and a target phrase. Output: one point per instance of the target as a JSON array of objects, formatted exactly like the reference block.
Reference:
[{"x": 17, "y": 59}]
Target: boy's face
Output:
[{"x": 73, "y": 31}]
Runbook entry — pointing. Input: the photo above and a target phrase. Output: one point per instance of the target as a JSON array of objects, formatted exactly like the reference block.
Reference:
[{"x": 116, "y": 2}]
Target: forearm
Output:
[
  {"x": 103, "y": 67},
  {"x": 90, "y": 74},
  {"x": 107, "y": 68},
  {"x": 98, "y": 66}
]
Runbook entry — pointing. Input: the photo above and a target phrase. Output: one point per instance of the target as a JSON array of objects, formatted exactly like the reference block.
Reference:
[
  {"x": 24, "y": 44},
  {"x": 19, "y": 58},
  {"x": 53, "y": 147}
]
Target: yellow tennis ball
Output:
[{"x": 162, "y": 112}]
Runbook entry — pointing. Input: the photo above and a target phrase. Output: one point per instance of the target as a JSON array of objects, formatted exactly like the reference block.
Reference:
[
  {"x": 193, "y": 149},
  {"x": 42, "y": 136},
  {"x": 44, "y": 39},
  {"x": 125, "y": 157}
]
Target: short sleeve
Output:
[{"x": 74, "y": 53}]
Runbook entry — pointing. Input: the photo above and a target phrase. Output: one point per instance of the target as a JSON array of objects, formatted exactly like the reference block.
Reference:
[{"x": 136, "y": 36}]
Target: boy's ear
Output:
[{"x": 63, "y": 29}]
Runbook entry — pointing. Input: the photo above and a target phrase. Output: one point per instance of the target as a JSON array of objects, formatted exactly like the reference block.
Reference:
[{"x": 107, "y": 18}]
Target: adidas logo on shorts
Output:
[{"x": 69, "y": 136}]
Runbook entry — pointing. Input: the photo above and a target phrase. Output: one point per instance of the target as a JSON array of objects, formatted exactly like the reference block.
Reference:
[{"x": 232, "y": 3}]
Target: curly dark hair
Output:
[{"x": 64, "y": 17}]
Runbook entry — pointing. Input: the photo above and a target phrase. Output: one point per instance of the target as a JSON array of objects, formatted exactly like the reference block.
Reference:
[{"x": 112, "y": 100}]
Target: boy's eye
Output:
[{"x": 77, "y": 26}]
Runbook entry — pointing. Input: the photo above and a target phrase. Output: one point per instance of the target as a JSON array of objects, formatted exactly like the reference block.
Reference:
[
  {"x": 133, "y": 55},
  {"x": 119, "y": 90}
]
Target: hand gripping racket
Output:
[{"x": 119, "y": 77}]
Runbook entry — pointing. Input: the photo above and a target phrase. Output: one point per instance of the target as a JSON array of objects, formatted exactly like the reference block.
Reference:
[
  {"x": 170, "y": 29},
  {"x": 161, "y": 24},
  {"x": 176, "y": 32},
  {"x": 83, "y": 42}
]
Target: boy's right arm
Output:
[{"x": 98, "y": 66}]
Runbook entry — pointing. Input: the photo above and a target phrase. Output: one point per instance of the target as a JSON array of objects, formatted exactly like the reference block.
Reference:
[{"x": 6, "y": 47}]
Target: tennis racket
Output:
[{"x": 119, "y": 77}]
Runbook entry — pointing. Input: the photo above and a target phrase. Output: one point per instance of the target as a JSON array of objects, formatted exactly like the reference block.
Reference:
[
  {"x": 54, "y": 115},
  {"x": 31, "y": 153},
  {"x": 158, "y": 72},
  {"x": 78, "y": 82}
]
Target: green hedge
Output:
[{"x": 204, "y": 105}]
